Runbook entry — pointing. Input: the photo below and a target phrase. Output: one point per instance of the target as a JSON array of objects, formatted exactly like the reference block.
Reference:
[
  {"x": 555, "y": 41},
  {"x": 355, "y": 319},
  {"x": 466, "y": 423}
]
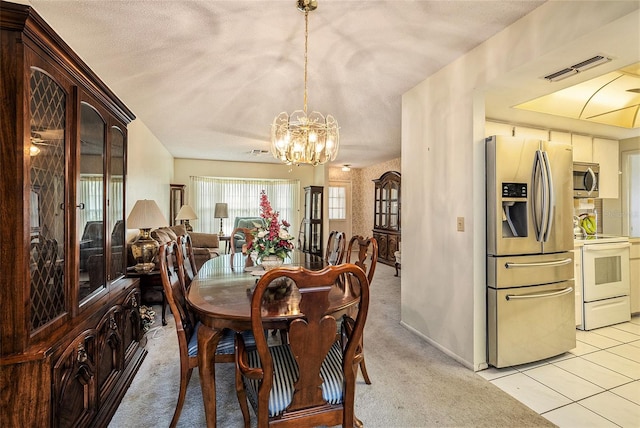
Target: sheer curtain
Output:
[
  {"x": 91, "y": 195},
  {"x": 243, "y": 200}
]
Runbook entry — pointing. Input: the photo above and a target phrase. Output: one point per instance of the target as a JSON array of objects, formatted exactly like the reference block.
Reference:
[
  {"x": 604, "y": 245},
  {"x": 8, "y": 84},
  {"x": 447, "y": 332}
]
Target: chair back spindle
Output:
[
  {"x": 335, "y": 248},
  {"x": 367, "y": 249}
]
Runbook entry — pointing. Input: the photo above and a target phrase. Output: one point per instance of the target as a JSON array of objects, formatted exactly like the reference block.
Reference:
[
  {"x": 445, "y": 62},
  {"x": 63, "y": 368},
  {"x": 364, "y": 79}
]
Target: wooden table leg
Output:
[{"x": 208, "y": 339}]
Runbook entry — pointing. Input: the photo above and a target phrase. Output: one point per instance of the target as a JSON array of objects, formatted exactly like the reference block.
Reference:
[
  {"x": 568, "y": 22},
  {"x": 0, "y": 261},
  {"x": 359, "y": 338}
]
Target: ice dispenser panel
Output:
[{"x": 514, "y": 210}]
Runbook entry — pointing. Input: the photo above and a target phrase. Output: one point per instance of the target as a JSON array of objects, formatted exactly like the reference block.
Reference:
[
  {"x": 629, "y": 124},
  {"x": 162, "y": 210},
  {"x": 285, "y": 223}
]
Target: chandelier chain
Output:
[{"x": 306, "y": 43}]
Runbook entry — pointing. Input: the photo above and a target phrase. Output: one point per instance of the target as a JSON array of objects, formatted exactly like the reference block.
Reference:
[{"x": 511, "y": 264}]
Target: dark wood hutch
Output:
[
  {"x": 386, "y": 216},
  {"x": 70, "y": 325}
]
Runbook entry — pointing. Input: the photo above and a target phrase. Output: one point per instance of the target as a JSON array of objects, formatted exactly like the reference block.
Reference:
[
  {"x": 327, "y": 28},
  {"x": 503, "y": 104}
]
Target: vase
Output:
[{"x": 271, "y": 262}]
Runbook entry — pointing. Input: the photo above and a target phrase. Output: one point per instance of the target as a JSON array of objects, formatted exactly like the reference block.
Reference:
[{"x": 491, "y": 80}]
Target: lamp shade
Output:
[
  {"x": 186, "y": 213},
  {"x": 146, "y": 215},
  {"x": 221, "y": 210}
]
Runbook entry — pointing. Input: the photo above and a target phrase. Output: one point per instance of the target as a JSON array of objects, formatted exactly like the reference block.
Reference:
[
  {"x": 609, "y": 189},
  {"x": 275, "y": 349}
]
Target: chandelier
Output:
[{"x": 301, "y": 138}]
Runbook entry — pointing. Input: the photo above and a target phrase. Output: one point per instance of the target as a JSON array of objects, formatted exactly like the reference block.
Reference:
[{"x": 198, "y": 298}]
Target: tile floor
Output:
[{"x": 597, "y": 384}]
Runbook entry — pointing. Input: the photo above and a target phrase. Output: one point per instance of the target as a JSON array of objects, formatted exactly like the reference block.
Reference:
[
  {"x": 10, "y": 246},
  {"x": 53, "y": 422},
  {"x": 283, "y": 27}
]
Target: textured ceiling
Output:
[{"x": 208, "y": 77}]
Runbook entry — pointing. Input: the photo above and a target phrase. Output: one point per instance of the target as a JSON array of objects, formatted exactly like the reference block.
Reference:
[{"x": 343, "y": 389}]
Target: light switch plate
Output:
[{"x": 460, "y": 224}]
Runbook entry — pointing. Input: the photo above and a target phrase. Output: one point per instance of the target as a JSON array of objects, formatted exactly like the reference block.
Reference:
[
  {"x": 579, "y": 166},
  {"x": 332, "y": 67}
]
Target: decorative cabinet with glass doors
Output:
[
  {"x": 70, "y": 324},
  {"x": 312, "y": 223},
  {"x": 386, "y": 216}
]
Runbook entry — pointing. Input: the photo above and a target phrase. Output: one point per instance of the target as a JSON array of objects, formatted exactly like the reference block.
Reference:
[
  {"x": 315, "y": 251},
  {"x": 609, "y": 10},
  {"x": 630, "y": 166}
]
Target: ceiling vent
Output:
[
  {"x": 577, "y": 68},
  {"x": 258, "y": 152}
]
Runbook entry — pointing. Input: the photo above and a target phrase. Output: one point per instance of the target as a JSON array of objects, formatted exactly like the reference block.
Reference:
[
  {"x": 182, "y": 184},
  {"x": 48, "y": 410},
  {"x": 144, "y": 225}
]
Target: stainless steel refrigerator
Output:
[{"x": 530, "y": 286}]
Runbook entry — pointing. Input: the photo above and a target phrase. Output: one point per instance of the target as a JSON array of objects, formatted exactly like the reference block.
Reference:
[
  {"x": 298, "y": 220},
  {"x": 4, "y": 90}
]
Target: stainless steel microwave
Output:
[{"x": 586, "y": 178}]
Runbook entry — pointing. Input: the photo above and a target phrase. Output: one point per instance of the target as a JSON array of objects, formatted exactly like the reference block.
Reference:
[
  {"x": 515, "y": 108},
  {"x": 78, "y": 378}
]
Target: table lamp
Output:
[
  {"x": 185, "y": 214},
  {"x": 221, "y": 211},
  {"x": 145, "y": 215}
]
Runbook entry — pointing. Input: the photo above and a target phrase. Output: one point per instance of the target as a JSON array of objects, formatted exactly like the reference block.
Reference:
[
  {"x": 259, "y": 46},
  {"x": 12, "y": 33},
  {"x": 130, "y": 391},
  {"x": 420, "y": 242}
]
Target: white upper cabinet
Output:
[
  {"x": 606, "y": 154},
  {"x": 582, "y": 148},
  {"x": 497, "y": 128},
  {"x": 533, "y": 133},
  {"x": 560, "y": 137}
]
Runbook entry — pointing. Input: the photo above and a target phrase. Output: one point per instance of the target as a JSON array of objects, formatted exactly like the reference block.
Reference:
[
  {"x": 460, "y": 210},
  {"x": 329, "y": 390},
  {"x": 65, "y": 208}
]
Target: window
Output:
[
  {"x": 243, "y": 200},
  {"x": 337, "y": 203}
]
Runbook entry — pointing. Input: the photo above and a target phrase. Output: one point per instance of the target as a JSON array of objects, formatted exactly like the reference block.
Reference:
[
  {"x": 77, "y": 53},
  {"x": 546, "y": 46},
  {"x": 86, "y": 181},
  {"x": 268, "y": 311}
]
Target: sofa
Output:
[
  {"x": 246, "y": 222},
  {"x": 205, "y": 245}
]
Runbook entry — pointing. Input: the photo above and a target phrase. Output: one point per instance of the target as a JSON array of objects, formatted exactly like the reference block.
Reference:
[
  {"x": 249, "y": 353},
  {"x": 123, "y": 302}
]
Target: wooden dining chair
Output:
[
  {"x": 172, "y": 275},
  {"x": 189, "y": 268},
  {"x": 311, "y": 379},
  {"x": 247, "y": 234},
  {"x": 335, "y": 248},
  {"x": 241, "y": 231},
  {"x": 366, "y": 257}
]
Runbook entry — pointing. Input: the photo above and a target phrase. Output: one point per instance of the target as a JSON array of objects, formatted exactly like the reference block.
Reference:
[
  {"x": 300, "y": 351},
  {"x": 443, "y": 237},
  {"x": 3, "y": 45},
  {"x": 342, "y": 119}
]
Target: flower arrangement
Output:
[{"x": 274, "y": 240}]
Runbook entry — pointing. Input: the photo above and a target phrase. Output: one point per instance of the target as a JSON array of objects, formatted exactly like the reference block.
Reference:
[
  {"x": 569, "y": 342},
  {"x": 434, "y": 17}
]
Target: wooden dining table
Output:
[{"x": 221, "y": 295}]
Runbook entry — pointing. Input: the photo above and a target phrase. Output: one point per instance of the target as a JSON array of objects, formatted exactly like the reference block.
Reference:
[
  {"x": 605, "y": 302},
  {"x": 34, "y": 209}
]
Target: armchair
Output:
[{"x": 244, "y": 222}]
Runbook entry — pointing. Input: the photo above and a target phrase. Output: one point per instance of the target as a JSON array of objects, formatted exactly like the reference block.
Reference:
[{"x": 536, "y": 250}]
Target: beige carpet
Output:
[{"x": 414, "y": 384}]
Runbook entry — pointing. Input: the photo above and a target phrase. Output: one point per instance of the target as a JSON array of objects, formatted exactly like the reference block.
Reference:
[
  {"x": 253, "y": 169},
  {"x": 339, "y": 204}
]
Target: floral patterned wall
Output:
[{"x": 363, "y": 192}]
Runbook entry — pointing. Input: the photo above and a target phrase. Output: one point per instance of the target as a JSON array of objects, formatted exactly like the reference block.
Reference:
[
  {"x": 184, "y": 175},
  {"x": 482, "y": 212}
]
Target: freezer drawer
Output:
[
  {"x": 602, "y": 313},
  {"x": 528, "y": 324},
  {"x": 515, "y": 271}
]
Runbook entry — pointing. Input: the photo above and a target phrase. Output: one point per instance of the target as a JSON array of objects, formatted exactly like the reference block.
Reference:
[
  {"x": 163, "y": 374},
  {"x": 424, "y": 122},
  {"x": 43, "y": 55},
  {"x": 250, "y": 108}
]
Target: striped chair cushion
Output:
[
  {"x": 285, "y": 373},
  {"x": 226, "y": 346}
]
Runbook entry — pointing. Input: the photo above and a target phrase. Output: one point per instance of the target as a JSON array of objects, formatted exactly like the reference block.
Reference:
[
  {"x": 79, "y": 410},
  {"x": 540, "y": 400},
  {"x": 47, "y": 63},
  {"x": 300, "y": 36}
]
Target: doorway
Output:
[{"x": 339, "y": 199}]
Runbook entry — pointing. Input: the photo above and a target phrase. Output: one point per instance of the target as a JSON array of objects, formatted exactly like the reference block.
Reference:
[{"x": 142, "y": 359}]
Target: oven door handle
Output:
[
  {"x": 562, "y": 262},
  {"x": 605, "y": 247},
  {"x": 538, "y": 295}
]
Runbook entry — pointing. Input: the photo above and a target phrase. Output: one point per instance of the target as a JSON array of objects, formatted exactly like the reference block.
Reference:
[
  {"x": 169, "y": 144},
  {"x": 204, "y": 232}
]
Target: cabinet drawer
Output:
[{"x": 606, "y": 312}]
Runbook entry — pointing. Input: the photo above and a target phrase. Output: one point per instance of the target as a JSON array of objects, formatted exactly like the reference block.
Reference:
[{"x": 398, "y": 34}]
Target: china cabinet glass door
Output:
[
  {"x": 47, "y": 256},
  {"x": 90, "y": 202},
  {"x": 115, "y": 223}
]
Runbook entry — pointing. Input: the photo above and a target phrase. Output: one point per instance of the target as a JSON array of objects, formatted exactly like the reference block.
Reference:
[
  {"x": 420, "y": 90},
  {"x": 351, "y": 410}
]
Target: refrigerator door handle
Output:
[
  {"x": 550, "y": 197},
  {"x": 539, "y": 212},
  {"x": 562, "y": 262},
  {"x": 538, "y": 295}
]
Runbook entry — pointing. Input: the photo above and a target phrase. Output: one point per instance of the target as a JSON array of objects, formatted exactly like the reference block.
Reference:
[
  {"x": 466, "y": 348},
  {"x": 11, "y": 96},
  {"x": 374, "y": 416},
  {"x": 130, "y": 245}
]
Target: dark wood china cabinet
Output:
[
  {"x": 70, "y": 324},
  {"x": 386, "y": 216}
]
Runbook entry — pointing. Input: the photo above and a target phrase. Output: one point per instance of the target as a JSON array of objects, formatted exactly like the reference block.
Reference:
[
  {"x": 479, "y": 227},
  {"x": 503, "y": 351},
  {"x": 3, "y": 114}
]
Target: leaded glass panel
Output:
[{"x": 46, "y": 203}]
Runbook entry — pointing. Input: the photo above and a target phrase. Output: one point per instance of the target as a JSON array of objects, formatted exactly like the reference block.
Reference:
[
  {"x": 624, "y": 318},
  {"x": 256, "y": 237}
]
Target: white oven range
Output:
[{"x": 605, "y": 281}]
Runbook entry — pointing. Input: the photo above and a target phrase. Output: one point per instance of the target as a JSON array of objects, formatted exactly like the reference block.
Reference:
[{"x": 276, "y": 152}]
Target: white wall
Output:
[
  {"x": 149, "y": 168},
  {"x": 443, "y": 278}
]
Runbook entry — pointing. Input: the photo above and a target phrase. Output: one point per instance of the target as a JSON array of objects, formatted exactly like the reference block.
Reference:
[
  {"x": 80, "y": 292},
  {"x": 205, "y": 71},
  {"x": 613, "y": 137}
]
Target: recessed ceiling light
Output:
[{"x": 346, "y": 168}]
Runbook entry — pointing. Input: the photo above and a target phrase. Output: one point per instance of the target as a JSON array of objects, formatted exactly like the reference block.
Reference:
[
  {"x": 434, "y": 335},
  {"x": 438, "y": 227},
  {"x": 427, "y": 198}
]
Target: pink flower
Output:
[{"x": 275, "y": 240}]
